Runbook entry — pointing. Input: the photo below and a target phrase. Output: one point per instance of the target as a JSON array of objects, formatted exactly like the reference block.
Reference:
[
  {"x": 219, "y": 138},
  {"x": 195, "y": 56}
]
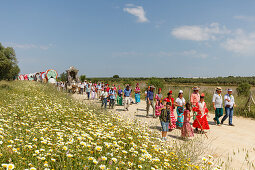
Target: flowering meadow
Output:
[{"x": 41, "y": 128}]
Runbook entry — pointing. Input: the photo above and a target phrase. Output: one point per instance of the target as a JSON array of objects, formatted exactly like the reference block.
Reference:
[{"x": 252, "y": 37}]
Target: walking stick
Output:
[{"x": 201, "y": 127}]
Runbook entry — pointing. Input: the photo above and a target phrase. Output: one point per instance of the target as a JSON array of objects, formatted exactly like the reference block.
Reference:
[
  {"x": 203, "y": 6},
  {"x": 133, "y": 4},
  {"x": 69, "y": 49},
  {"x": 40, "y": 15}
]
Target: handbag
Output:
[{"x": 180, "y": 109}]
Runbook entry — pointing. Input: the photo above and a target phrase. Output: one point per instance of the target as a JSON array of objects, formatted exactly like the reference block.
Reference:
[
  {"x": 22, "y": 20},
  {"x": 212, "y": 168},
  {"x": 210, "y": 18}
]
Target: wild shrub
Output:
[{"x": 243, "y": 89}]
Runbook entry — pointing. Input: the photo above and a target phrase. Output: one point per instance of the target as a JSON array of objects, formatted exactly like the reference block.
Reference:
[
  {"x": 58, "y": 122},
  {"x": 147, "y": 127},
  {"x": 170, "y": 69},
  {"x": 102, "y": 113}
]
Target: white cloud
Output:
[
  {"x": 27, "y": 46},
  {"x": 241, "y": 43},
  {"x": 137, "y": 11},
  {"x": 245, "y": 18},
  {"x": 199, "y": 33}
]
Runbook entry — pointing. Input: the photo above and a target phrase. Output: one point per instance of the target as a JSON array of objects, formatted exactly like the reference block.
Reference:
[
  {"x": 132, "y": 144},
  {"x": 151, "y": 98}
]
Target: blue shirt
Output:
[
  {"x": 150, "y": 95},
  {"x": 127, "y": 92},
  {"x": 112, "y": 94}
]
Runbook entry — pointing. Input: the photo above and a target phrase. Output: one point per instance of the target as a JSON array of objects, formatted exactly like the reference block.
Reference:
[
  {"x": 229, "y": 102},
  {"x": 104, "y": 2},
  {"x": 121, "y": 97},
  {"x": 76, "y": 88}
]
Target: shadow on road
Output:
[
  {"x": 140, "y": 115},
  {"x": 156, "y": 127}
]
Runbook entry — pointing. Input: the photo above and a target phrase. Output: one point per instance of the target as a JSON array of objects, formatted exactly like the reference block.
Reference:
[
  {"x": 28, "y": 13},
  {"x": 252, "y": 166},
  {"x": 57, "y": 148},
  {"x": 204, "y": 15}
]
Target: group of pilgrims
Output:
[{"x": 164, "y": 107}]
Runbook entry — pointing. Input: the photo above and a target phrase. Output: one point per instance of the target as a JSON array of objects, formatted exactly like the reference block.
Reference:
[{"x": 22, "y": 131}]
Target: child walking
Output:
[
  {"x": 186, "y": 129},
  {"x": 165, "y": 119}
]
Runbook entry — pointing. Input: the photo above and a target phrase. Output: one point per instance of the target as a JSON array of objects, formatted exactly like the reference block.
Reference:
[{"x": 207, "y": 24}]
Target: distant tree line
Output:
[
  {"x": 9, "y": 68},
  {"x": 231, "y": 80}
]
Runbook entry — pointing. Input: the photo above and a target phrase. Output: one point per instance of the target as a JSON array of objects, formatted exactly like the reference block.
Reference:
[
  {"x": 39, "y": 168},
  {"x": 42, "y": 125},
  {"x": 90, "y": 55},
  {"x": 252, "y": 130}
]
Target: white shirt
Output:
[
  {"x": 181, "y": 101},
  {"x": 231, "y": 98},
  {"x": 82, "y": 85},
  {"x": 104, "y": 94},
  {"x": 217, "y": 99}
]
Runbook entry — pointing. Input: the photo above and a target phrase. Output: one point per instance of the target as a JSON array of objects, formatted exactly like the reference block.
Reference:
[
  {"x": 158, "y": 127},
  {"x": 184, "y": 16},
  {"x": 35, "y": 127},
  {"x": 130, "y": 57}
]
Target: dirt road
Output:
[{"x": 233, "y": 145}]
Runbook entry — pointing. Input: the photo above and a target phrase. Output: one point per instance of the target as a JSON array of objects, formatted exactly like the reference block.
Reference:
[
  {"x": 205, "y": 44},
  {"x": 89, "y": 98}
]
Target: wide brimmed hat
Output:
[
  {"x": 196, "y": 88},
  {"x": 218, "y": 89}
]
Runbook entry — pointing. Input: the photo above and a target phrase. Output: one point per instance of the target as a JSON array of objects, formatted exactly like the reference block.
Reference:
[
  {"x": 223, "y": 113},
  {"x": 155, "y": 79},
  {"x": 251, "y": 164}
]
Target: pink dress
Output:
[
  {"x": 172, "y": 125},
  {"x": 187, "y": 130},
  {"x": 159, "y": 104}
]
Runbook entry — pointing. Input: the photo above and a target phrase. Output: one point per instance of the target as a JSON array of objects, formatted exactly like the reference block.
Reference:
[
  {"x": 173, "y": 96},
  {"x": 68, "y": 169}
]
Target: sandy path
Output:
[{"x": 229, "y": 144}]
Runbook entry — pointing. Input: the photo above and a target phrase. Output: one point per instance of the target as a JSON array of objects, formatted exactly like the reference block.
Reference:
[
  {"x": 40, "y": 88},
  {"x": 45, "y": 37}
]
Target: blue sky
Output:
[{"x": 135, "y": 38}]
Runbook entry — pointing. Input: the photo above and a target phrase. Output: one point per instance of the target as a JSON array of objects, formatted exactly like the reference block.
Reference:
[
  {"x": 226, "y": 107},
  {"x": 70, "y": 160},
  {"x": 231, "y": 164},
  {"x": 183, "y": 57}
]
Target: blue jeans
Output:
[
  {"x": 229, "y": 113},
  {"x": 165, "y": 126},
  {"x": 104, "y": 102},
  {"x": 88, "y": 94}
]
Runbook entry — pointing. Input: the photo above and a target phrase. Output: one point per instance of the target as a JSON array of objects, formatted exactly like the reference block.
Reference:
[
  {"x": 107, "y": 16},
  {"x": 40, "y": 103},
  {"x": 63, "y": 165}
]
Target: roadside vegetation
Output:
[{"x": 43, "y": 128}]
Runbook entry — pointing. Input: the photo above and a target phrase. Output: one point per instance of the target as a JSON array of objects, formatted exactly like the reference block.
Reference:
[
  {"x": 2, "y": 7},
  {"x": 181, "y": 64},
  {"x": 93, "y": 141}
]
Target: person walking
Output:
[
  {"x": 119, "y": 97},
  {"x": 150, "y": 98},
  {"x": 217, "y": 105},
  {"x": 104, "y": 96},
  {"x": 93, "y": 92},
  {"x": 180, "y": 103},
  {"x": 202, "y": 112},
  {"x": 170, "y": 99},
  {"x": 112, "y": 97},
  {"x": 158, "y": 105},
  {"x": 187, "y": 130},
  {"x": 165, "y": 119},
  {"x": 229, "y": 102},
  {"x": 99, "y": 89},
  {"x": 137, "y": 93},
  {"x": 194, "y": 99},
  {"x": 127, "y": 94},
  {"x": 88, "y": 90}
]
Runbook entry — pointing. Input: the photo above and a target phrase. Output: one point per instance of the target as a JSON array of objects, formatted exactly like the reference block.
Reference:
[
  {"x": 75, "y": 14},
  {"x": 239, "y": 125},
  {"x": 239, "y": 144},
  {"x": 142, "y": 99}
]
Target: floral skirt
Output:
[
  {"x": 201, "y": 122},
  {"x": 157, "y": 109},
  {"x": 180, "y": 117},
  {"x": 172, "y": 125},
  {"x": 187, "y": 130}
]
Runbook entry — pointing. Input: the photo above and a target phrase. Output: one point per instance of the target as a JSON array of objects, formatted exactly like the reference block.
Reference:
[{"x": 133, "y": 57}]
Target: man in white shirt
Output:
[
  {"x": 229, "y": 107},
  {"x": 104, "y": 96},
  {"x": 217, "y": 105}
]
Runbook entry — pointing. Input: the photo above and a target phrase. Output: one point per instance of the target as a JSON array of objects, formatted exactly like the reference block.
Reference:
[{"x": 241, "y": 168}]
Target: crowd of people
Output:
[{"x": 163, "y": 108}]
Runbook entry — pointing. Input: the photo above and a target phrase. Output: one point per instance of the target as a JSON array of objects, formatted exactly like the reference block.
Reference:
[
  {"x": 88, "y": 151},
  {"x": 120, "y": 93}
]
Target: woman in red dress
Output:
[
  {"x": 202, "y": 113},
  {"x": 169, "y": 98}
]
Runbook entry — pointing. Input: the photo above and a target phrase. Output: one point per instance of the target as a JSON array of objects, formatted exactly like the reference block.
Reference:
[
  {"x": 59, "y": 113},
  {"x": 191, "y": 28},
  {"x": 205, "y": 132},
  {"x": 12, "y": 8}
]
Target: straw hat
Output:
[
  {"x": 218, "y": 89},
  {"x": 196, "y": 88}
]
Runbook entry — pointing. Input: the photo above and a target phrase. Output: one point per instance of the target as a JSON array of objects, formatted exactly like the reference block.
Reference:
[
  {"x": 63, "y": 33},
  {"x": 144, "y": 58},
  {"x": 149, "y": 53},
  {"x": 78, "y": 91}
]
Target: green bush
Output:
[
  {"x": 243, "y": 89},
  {"x": 116, "y": 76},
  {"x": 82, "y": 78},
  {"x": 158, "y": 83}
]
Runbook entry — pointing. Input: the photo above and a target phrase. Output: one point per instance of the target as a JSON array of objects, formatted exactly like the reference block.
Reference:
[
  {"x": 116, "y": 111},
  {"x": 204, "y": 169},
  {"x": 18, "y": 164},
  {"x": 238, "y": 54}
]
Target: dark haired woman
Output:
[{"x": 180, "y": 103}]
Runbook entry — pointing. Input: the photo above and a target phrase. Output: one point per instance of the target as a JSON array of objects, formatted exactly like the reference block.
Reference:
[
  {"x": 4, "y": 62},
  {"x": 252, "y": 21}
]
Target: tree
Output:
[
  {"x": 243, "y": 89},
  {"x": 158, "y": 83},
  {"x": 9, "y": 68},
  {"x": 63, "y": 76},
  {"x": 82, "y": 78},
  {"x": 116, "y": 76}
]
